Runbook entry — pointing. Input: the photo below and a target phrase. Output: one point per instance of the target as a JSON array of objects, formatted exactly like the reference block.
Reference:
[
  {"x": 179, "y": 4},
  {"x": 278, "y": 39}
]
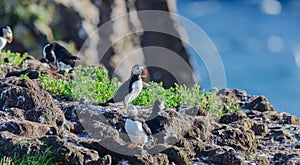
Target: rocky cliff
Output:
[{"x": 76, "y": 132}]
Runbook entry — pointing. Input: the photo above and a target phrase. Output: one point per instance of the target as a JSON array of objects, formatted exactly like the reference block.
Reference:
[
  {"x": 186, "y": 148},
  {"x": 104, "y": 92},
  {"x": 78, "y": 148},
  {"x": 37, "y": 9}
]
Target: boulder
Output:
[
  {"x": 27, "y": 128},
  {"x": 260, "y": 128},
  {"x": 37, "y": 105},
  {"x": 201, "y": 129},
  {"x": 235, "y": 116},
  {"x": 240, "y": 140},
  {"x": 62, "y": 152},
  {"x": 259, "y": 103}
]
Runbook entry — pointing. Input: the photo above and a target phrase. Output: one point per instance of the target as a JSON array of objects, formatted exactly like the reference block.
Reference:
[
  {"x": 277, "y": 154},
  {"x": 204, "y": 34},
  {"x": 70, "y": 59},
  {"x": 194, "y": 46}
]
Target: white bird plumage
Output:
[
  {"x": 5, "y": 36},
  {"x": 137, "y": 87},
  {"x": 136, "y": 129}
]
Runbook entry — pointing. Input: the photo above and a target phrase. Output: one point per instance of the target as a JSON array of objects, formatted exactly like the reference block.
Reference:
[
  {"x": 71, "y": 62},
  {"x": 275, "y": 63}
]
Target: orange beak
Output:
[
  {"x": 10, "y": 39},
  {"x": 144, "y": 73}
]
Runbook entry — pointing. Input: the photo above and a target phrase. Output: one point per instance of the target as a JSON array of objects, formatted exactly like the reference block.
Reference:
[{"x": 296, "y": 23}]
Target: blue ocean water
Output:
[{"x": 258, "y": 42}]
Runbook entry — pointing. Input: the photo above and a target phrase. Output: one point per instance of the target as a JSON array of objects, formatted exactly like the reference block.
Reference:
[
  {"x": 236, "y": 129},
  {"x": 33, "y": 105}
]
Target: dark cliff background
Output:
[{"x": 71, "y": 22}]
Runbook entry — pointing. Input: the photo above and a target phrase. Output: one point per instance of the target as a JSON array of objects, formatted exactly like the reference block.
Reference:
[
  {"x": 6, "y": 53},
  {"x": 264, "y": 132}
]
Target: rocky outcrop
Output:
[
  {"x": 258, "y": 103},
  {"x": 276, "y": 133},
  {"x": 36, "y": 104},
  {"x": 32, "y": 122}
]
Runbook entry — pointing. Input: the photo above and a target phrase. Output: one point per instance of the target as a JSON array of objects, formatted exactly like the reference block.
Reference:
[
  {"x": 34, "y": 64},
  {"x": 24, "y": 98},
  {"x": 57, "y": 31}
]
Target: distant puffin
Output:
[
  {"x": 58, "y": 57},
  {"x": 130, "y": 89},
  {"x": 5, "y": 36},
  {"x": 137, "y": 130}
]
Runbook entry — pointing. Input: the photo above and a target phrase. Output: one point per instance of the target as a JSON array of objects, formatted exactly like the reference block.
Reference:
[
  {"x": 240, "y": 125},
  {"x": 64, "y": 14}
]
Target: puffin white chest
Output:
[
  {"x": 63, "y": 66},
  {"x": 135, "y": 131},
  {"x": 3, "y": 42},
  {"x": 137, "y": 87}
]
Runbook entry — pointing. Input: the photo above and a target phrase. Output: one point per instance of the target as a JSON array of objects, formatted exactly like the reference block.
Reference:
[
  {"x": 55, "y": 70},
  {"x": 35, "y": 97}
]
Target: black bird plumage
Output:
[
  {"x": 133, "y": 79},
  {"x": 54, "y": 52}
]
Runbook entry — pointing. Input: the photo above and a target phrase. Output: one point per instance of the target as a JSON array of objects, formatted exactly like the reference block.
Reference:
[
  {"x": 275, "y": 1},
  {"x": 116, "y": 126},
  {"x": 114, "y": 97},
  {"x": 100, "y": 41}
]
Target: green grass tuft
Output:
[{"x": 47, "y": 158}]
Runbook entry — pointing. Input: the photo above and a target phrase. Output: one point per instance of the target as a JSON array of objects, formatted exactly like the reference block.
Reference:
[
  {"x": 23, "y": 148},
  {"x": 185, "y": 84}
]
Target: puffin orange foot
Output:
[
  {"x": 53, "y": 70},
  {"x": 132, "y": 145}
]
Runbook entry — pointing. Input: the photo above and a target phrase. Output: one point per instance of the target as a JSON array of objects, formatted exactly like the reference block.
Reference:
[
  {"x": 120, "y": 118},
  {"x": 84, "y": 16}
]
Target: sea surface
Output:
[{"x": 258, "y": 42}]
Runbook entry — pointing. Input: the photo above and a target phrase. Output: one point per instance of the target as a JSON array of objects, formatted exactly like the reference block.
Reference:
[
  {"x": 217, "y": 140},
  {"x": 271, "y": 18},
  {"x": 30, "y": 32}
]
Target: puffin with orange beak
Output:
[
  {"x": 5, "y": 36},
  {"x": 130, "y": 89}
]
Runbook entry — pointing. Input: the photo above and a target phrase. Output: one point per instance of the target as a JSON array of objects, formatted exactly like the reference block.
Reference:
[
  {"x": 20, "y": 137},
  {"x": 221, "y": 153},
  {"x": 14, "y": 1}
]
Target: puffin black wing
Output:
[
  {"x": 157, "y": 124},
  {"x": 63, "y": 55},
  {"x": 146, "y": 129},
  {"x": 1, "y": 31},
  {"x": 133, "y": 79},
  {"x": 106, "y": 103}
]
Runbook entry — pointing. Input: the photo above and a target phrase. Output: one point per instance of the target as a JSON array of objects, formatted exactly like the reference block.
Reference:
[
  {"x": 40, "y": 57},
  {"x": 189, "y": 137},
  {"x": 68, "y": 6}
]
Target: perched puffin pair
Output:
[
  {"x": 5, "y": 36},
  {"x": 58, "y": 57},
  {"x": 139, "y": 130}
]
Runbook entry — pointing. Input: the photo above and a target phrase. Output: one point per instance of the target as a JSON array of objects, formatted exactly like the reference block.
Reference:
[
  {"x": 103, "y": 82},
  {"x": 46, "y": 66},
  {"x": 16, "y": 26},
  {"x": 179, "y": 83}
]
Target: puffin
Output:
[
  {"x": 58, "y": 57},
  {"x": 5, "y": 36},
  {"x": 130, "y": 89},
  {"x": 137, "y": 130}
]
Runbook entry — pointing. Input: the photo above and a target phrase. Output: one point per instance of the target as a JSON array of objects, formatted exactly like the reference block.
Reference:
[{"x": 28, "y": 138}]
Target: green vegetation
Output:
[
  {"x": 45, "y": 159},
  {"x": 89, "y": 82},
  {"x": 94, "y": 84},
  {"x": 13, "y": 58}
]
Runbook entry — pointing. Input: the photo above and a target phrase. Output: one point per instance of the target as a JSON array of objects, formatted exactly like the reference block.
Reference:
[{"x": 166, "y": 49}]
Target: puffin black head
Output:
[
  {"x": 49, "y": 53},
  {"x": 138, "y": 70},
  {"x": 50, "y": 57},
  {"x": 7, "y": 34}
]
